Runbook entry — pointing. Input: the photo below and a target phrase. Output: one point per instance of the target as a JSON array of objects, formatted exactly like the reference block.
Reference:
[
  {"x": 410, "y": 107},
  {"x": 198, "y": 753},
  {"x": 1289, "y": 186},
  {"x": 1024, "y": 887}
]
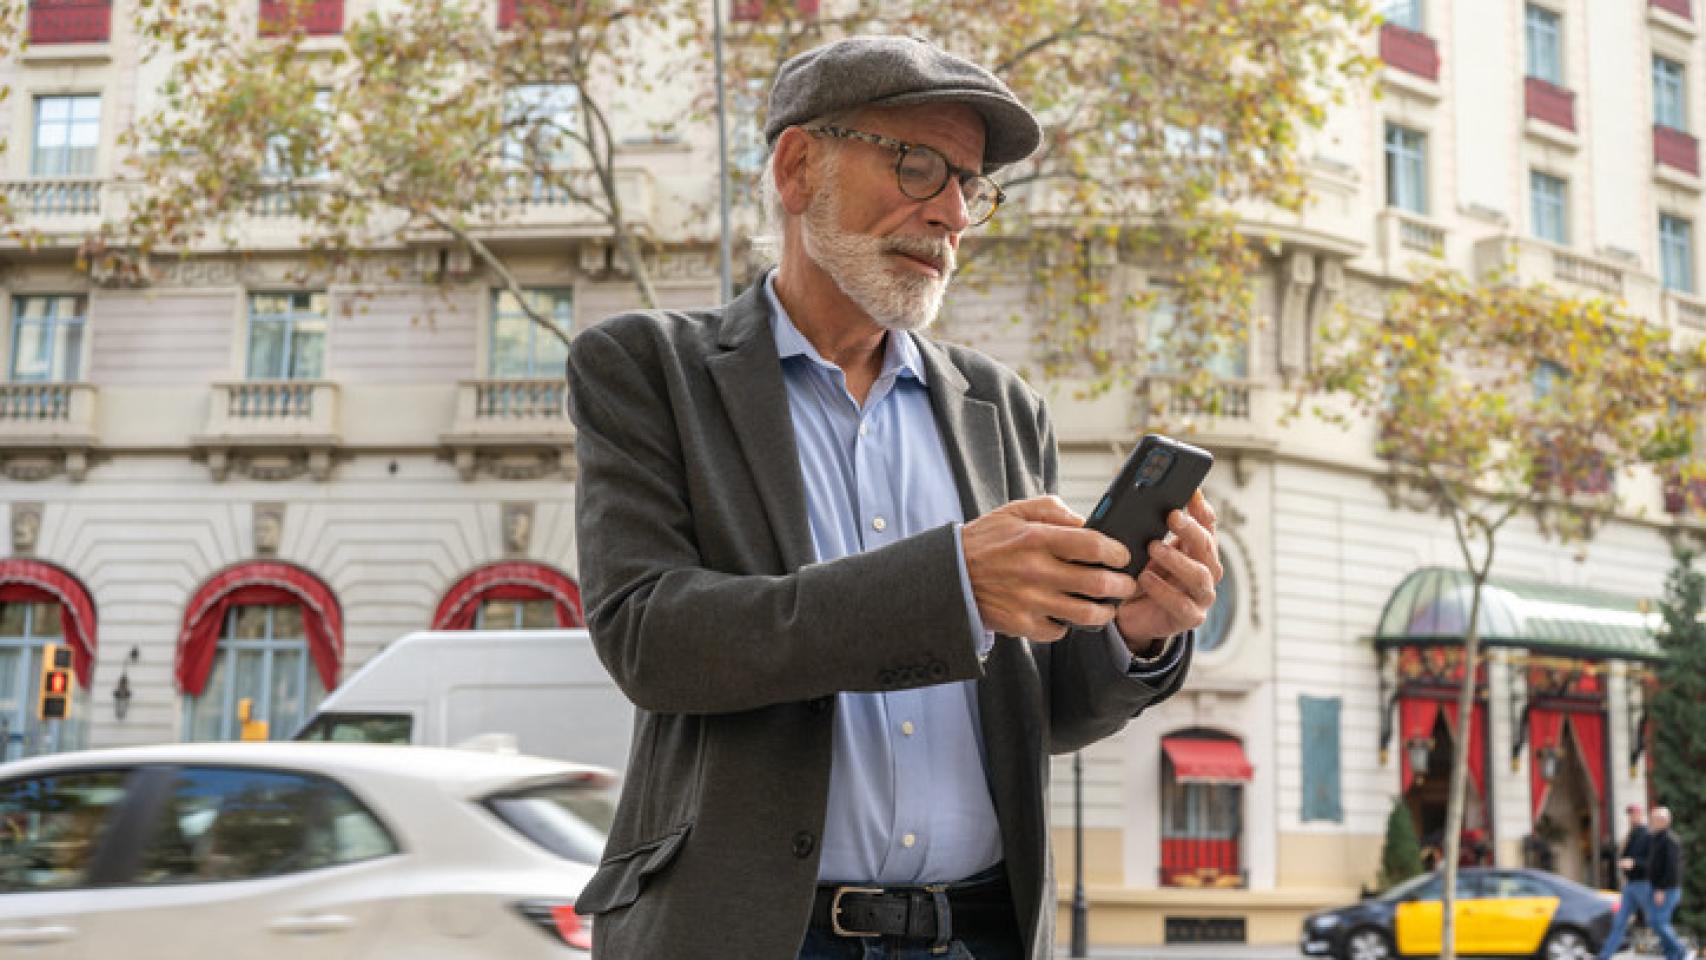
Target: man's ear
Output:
[{"x": 793, "y": 171}]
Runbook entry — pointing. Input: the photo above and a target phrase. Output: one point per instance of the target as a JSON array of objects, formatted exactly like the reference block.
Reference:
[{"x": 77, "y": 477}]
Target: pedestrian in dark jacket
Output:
[
  {"x": 1664, "y": 872},
  {"x": 1637, "y": 892}
]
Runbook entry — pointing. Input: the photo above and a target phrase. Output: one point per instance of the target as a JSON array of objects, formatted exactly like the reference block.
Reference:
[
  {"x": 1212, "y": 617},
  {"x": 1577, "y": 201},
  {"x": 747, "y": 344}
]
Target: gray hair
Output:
[{"x": 767, "y": 245}]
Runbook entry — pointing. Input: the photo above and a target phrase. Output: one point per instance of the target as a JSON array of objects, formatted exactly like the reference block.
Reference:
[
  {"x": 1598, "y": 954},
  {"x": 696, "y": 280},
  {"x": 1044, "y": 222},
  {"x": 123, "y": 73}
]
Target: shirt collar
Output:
[{"x": 900, "y": 353}]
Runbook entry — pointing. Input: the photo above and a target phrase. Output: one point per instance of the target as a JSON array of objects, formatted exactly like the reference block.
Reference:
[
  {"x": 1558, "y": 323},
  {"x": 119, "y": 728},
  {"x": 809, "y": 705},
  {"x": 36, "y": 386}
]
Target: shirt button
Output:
[
  {"x": 908, "y": 841},
  {"x": 879, "y": 524},
  {"x": 864, "y": 429},
  {"x": 906, "y": 728}
]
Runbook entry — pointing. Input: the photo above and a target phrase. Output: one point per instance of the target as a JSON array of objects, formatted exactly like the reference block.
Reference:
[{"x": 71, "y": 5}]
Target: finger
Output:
[
  {"x": 1190, "y": 575},
  {"x": 1194, "y": 539},
  {"x": 1203, "y": 511},
  {"x": 1182, "y": 612},
  {"x": 1049, "y": 509},
  {"x": 1085, "y": 546}
]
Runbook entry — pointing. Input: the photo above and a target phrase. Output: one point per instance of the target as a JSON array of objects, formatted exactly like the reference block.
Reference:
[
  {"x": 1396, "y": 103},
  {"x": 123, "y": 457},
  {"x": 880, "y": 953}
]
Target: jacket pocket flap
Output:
[{"x": 619, "y": 877}]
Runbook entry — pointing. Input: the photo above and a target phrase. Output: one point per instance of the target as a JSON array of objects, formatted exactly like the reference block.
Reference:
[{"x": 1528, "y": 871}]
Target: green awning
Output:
[{"x": 1431, "y": 607}]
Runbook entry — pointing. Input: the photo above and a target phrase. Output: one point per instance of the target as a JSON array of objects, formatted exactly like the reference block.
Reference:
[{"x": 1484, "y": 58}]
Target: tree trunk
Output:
[{"x": 1460, "y": 772}]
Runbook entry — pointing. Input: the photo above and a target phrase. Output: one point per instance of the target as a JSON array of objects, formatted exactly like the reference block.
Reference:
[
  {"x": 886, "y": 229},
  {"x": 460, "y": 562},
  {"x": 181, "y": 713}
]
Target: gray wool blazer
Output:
[{"x": 707, "y": 607}]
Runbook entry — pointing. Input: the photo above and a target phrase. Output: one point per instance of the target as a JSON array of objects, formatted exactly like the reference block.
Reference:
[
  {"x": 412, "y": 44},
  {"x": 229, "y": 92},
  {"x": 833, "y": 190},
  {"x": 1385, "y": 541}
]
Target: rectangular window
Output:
[
  {"x": 263, "y": 658},
  {"x": 47, "y": 338},
  {"x": 1676, "y": 252},
  {"x": 1670, "y": 102},
  {"x": 285, "y": 159},
  {"x": 1545, "y": 32},
  {"x": 67, "y": 134},
  {"x": 521, "y": 349},
  {"x": 287, "y": 336},
  {"x": 1229, "y": 359},
  {"x": 1321, "y": 795},
  {"x": 540, "y": 123},
  {"x": 1406, "y": 169},
  {"x": 1404, "y": 13},
  {"x": 1549, "y": 207}
]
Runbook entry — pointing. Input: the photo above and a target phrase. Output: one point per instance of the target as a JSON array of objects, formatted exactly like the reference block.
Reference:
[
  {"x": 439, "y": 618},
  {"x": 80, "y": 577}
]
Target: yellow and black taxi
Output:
[{"x": 1499, "y": 912}]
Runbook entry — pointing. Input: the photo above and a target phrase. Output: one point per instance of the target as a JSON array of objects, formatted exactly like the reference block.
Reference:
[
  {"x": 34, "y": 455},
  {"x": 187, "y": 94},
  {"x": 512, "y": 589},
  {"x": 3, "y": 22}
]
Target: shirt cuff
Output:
[
  {"x": 982, "y": 640},
  {"x": 1146, "y": 668}
]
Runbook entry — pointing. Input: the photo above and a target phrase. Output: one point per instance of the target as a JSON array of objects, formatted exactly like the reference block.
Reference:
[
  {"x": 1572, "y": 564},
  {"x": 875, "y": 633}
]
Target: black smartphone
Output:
[{"x": 1158, "y": 478}]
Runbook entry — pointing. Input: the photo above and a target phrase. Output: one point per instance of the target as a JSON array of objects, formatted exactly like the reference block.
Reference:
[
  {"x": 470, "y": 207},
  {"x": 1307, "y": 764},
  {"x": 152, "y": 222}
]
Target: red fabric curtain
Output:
[
  {"x": 31, "y": 581},
  {"x": 1477, "y": 745},
  {"x": 1545, "y": 729},
  {"x": 1589, "y": 729},
  {"x": 508, "y": 581},
  {"x": 1416, "y": 716},
  {"x": 259, "y": 584}
]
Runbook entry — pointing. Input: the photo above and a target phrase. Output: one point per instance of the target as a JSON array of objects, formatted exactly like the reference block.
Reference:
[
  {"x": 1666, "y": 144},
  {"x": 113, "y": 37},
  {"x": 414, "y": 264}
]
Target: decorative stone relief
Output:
[
  {"x": 269, "y": 465},
  {"x": 45, "y": 464},
  {"x": 268, "y": 520},
  {"x": 513, "y": 464},
  {"x": 26, "y": 527},
  {"x": 1296, "y": 283},
  {"x": 517, "y": 528}
]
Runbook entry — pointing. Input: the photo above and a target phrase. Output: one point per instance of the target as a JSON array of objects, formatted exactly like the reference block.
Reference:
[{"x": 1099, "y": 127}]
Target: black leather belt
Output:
[{"x": 925, "y": 914}]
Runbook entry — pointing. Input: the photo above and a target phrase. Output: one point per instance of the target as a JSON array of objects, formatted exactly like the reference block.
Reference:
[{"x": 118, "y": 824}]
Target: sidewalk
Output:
[{"x": 1195, "y": 951}]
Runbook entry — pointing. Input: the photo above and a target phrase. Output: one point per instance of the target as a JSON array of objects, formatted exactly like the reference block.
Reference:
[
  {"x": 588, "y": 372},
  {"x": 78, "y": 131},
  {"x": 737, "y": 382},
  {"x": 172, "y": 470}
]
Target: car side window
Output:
[
  {"x": 51, "y": 827},
  {"x": 1513, "y": 886},
  {"x": 233, "y": 823}
]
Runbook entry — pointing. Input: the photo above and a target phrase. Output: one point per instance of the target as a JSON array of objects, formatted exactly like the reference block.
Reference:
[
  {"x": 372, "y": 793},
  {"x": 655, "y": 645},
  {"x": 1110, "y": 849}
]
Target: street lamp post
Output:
[
  {"x": 1080, "y": 906},
  {"x": 725, "y": 253}
]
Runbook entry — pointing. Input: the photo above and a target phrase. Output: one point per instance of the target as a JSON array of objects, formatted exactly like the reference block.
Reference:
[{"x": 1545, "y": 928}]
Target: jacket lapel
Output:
[
  {"x": 970, "y": 431},
  {"x": 748, "y": 376}
]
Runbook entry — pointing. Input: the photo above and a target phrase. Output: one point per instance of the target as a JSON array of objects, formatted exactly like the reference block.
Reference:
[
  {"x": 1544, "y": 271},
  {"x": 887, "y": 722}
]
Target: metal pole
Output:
[
  {"x": 1080, "y": 906},
  {"x": 725, "y": 255}
]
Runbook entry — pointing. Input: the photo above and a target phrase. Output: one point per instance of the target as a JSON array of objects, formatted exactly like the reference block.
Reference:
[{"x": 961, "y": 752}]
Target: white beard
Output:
[{"x": 896, "y": 300}]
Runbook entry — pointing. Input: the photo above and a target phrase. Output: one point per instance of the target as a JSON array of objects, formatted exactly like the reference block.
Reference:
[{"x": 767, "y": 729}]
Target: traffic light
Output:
[{"x": 57, "y": 676}]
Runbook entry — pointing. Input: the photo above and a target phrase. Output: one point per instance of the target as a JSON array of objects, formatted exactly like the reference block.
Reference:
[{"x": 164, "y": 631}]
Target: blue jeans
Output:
[
  {"x": 1637, "y": 895},
  {"x": 823, "y": 945},
  {"x": 1674, "y": 950}
]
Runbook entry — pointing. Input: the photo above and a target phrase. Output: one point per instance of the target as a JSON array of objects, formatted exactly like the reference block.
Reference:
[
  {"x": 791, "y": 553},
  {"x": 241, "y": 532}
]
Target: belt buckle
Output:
[{"x": 835, "y": 912}]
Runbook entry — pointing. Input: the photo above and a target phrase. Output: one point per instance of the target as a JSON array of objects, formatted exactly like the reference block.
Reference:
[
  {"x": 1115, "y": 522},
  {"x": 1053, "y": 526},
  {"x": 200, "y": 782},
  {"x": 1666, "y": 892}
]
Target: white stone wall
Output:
[{"x": 143, "y": 536}]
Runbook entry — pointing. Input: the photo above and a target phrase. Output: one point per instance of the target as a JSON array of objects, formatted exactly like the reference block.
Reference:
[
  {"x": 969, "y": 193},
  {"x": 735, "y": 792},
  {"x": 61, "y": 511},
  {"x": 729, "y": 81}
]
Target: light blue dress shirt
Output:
[{"x": 909, "y": 795}]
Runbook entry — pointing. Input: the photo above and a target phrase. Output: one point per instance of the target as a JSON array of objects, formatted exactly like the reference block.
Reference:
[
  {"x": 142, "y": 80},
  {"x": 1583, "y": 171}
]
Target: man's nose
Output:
[{"x": 947, "y": 210}]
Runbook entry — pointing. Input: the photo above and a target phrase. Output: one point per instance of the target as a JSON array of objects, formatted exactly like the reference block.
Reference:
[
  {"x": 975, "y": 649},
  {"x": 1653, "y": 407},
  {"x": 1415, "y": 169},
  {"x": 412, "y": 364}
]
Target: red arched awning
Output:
[
  {"x": 259, "y": 583},
  {"x": 512, "y": 580},
  {"x": 31, "y": 581},
  {"x": 1200, "y": 760}
]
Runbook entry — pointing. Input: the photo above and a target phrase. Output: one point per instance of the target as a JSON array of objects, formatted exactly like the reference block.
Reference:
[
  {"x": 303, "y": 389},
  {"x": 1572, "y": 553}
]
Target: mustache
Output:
[{"x": 939, "y": 252}]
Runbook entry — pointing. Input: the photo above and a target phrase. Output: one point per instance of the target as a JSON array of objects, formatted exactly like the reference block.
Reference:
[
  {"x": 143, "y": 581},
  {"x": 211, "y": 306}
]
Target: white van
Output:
[{"x": 542, "y": 691}]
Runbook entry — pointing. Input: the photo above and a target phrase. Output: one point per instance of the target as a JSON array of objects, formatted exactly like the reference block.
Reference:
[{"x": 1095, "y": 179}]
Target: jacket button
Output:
[{"x": 804, "y": 844}]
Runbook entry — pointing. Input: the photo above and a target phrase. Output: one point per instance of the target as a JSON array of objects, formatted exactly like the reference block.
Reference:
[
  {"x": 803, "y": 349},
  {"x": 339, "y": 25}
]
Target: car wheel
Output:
[
  {"x": 1368, "y": 944},
  {"x": 1566, "y": 944}
]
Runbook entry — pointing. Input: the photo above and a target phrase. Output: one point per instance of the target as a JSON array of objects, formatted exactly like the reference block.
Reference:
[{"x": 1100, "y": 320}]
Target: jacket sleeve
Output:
[{"x": 679, "y": 637}]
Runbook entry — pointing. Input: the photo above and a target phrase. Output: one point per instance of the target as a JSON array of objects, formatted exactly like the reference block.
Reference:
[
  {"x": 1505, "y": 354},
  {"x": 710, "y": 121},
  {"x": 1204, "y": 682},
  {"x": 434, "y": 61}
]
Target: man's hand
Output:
[
  {"x": 1027, "y": 559},
  {"x": 1658, "y": 898},
  {"x": 1176, "y": 589}
]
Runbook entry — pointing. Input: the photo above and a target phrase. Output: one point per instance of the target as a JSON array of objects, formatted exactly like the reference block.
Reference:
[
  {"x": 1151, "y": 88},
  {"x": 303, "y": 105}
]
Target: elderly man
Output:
[{"x": 822, "y": 556}]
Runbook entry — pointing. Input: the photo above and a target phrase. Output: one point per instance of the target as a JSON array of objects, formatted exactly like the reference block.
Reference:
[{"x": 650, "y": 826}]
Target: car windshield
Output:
[
  {"x": 569, "y": 817},
  {"x": 358, "y": 728},
  {"x": 1408, "y": 887}
]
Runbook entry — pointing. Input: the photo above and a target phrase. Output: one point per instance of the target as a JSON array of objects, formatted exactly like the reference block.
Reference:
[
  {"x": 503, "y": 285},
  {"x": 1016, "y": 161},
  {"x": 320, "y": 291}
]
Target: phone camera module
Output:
[{"x": 1154, "y": 467}]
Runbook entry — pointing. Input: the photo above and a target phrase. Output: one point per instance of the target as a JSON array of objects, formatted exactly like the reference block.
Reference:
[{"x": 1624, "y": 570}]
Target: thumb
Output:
[{"x": 1049, "y": 509}]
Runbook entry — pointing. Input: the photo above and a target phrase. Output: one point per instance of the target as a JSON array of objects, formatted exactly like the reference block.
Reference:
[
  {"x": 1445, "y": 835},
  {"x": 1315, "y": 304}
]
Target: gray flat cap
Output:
[{"x": 894, "y": 71}]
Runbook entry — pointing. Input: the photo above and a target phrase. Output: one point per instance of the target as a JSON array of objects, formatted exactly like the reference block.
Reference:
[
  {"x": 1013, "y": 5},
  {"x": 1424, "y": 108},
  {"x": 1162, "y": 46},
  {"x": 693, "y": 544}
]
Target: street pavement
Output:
[{"x": 1194, "y": 951}]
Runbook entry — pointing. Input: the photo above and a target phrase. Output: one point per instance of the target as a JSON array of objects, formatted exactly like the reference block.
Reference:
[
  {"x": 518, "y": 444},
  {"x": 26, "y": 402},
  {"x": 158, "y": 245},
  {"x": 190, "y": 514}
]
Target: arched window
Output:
[
  {"x": 513, "y": 595},
  {"x": 266, "y": 634},
  {"x": 1202, "y": 823},
  {"x": 1211, "y": 636},
  {"x": 41, "y": 604}
]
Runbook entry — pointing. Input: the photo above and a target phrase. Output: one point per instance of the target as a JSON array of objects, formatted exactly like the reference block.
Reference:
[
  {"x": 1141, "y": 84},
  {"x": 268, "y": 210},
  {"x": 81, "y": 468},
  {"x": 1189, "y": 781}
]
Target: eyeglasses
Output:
[{"x": 922, "y": 173}]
